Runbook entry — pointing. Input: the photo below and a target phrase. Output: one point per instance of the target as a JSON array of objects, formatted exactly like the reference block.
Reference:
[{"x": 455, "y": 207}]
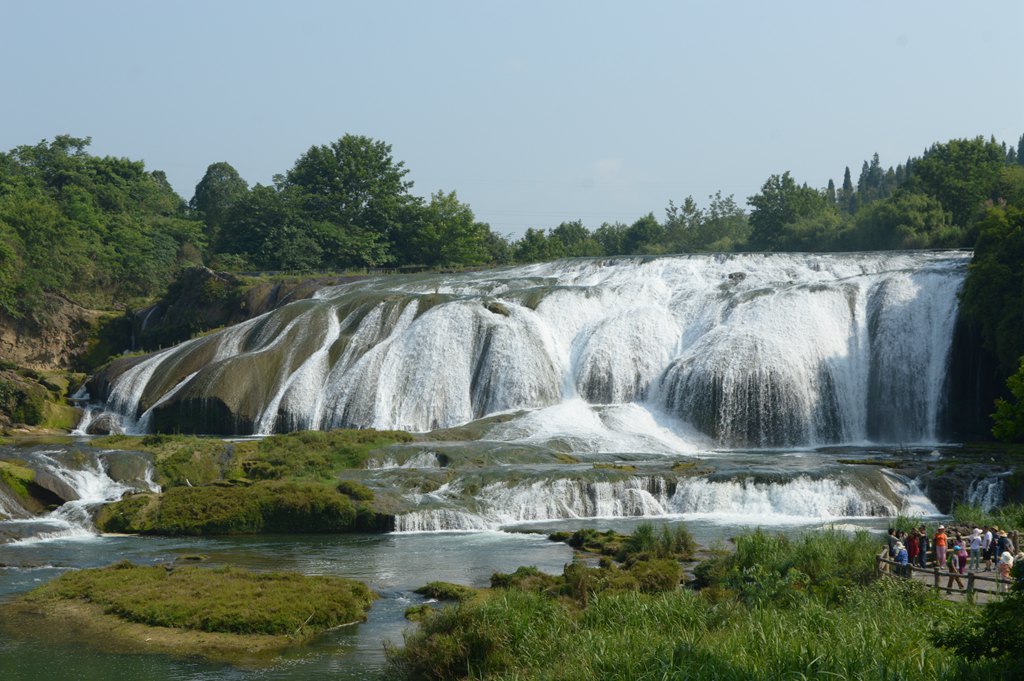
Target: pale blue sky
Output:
[{"x": 535, "y": 112}]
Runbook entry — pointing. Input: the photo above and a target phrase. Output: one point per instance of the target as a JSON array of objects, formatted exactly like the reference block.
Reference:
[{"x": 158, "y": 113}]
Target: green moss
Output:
[
  {"x": 284, "y": 507},
  {"x": 60, "y": 416},
  {"x": 17, "y": 478},
  {"x": 355, "y": 490},
  {"x": 228, "y": 600},
  {"x": 446, "y": 591},
  {"x": 418, "y": 613},
  {"x": 22, "y": 400},
  {"x": 626, "y": 468}
]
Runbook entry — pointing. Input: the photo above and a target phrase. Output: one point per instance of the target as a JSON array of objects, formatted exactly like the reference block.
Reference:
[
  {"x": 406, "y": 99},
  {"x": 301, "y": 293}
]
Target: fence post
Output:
[
  {"x": 936, "y": 573},
  {"x": 970, "y": 587}
]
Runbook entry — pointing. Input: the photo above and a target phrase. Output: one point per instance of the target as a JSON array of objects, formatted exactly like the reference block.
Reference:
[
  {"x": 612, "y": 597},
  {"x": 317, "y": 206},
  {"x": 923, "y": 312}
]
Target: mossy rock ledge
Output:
[{"x": 224, "y": 613}]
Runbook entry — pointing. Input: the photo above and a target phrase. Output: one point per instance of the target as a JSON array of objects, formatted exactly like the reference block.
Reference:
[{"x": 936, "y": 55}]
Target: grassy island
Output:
[{"x": 220, "y": 613}]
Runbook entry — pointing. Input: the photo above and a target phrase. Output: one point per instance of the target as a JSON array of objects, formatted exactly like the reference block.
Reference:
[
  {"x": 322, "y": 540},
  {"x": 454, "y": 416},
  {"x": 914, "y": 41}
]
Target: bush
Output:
[{"x": 446, "y": 591}]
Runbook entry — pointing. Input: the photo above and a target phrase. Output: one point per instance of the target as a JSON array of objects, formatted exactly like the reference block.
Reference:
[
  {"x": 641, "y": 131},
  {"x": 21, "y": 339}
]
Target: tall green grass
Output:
[
  {"x": 1007, "y": 517},
  {"x": 830, "y": 619}
]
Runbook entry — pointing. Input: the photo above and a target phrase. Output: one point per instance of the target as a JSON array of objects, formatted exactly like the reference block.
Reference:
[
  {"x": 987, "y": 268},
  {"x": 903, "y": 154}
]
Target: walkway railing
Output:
[{"x": 933, "y": 575}]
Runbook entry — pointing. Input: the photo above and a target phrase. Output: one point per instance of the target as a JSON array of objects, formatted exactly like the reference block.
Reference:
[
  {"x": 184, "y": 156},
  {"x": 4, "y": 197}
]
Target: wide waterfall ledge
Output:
[{"x": 748, "y": 350}]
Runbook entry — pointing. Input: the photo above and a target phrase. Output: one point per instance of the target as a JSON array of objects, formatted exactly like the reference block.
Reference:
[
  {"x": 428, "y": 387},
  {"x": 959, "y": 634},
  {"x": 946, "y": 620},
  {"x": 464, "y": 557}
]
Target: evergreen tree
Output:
[
  {"x": 216, "y": 194},
  {"x": 1020, "y": 151},
  {"x": 830, "y": 191}
]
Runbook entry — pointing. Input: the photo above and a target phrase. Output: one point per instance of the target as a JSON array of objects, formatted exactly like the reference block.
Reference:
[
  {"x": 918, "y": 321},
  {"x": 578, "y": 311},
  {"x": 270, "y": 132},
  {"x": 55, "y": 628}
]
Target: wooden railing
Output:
[{"x": 970, "y": 590}]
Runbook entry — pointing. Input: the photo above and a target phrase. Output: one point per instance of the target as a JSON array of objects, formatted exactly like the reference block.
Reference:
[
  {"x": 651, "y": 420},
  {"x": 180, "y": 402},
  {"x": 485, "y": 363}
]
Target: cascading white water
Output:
[
  {"x": 801, "y": 499},
  {"x": 85, "y": 477},
  {"x": 987, "y": 493},
  {"x": 750, "y": 349}
]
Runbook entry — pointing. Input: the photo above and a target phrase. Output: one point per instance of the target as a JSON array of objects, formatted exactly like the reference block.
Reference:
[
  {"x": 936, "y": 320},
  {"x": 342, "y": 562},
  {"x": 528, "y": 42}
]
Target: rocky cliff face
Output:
[{"x": 56, "y": 344}]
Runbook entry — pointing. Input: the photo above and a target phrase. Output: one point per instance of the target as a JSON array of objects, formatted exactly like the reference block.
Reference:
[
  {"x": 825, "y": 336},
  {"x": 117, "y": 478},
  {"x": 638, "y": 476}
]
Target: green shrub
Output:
[{"x": 446, "y": 591}]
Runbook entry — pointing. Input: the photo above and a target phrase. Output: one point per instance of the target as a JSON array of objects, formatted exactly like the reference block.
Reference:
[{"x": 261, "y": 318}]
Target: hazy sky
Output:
[{"x": 534, "y": 112}]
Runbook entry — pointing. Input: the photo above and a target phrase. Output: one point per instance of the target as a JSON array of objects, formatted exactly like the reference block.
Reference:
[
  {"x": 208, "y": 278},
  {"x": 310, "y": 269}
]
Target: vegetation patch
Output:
[
  {"x": 17, "y": 478},
  {"x": 233, "y": 610},
  {"x": 265, "y": 507},
  {"x": 447, "y": 591},
  {"x": 1007, "y": 516},
  {"x": 776, "y": 608},
  {"x": 888, "y": 463},
  {"x": 305, "y": 455}
]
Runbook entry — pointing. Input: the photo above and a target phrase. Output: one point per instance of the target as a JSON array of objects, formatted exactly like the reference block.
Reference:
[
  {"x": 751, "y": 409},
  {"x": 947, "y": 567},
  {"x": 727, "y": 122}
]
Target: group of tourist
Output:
[{"x": 956, "y": 552}]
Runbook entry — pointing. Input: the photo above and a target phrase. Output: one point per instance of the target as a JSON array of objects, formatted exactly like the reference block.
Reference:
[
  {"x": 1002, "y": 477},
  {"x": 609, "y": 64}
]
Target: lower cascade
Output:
[
  {"x": 800, "y": 499},
  {"x": 758, "y": 350},
  {"x": 83, "y": 481}
]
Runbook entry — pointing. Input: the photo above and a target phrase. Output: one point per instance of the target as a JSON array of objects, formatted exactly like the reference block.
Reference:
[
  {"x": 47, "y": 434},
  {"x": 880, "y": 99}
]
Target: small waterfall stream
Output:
[{"x": 83, "y": 479}]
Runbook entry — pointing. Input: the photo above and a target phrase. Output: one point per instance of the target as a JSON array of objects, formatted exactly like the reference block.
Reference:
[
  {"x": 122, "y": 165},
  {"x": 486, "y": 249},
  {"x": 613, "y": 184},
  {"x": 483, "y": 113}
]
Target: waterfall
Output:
[
  {"x": 85, "y": 481},
  {"x": 742, "y": 350},
  {"x": 800, "y": 499},
  {"x": 987, "y": 493}
]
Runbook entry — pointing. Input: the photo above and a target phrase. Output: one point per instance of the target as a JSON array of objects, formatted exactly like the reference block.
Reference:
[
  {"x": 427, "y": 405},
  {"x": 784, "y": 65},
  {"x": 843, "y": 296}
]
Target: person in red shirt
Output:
[{"x": 912, "y": 547}]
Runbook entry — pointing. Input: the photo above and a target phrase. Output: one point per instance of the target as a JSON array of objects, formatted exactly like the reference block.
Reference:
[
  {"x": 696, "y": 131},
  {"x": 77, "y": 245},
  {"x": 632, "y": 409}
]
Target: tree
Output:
[
  {"x": 961, "y": 174},
  {"x": 353, "y": 181},
  {"x": 783, "y": 202},
  {"x": 534, "y": 246},
  {"x": 216, "y": 194},
  {"x": 1008, "y": 419},
  {"x": 576, "y": 240},
  {"x": 993, "y": 294},
  {"x": 612, "y": 237},
  {"x": 645, "y": 235},
  {"x": 902, "y": 221},
  {"x": 449, "y": 235}
]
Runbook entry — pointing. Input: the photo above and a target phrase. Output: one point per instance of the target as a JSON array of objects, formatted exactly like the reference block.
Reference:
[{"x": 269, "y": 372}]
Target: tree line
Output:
[{"x": 105, "y": 231}]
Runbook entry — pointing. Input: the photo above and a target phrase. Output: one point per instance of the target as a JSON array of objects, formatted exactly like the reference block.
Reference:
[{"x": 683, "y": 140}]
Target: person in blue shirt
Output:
[{"x": 902, "y": 559}]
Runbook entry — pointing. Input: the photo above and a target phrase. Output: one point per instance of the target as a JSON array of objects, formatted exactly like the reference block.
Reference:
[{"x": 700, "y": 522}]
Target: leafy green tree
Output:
[
  {"x": 903, "y": 221},
  {"x": 266, "y": 227},
  {"x": 612, "y": 237},
  {"x": 499, "y": 248},
  {"x": 357, "y": 187},
  {"x": 92, "y": 229},
  {"x": 781, "y": 203},
  {"x": 993, "y": 294},
  {"x": 216, "y": 194},
  {"x": 1008, "y": 419},
  {"x": 961, "y": 174},
  {"x": 577, "y": 241},
  {"x": 682, "y": 223},
  {"x": 535, "y": 246},
  {"x": 448, "y": 234},
  {"x": 646, "y": 235}
]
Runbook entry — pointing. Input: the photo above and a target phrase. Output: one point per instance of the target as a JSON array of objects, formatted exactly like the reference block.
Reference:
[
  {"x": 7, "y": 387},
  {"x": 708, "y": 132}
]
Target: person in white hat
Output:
[
  {"x": 939, "y": 543},
  {"x": 975, "y": 540},
  {"x": 1005, "y": 565}
]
